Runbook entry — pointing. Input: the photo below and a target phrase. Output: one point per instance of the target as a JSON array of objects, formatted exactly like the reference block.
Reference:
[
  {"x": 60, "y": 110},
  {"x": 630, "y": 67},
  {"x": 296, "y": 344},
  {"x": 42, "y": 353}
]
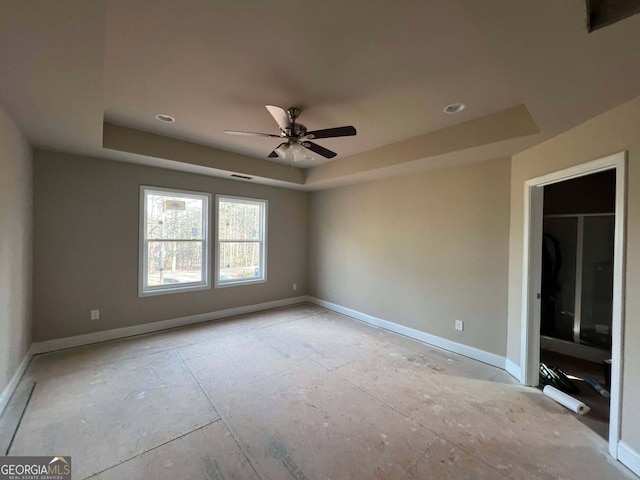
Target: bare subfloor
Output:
[{"x": 298, "y": 393}]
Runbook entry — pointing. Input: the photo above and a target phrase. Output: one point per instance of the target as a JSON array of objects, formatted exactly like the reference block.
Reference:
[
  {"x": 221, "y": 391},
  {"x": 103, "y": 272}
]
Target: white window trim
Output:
[
  {"x": 263, "y": 266},
  {"x": 142, "y": 243}
]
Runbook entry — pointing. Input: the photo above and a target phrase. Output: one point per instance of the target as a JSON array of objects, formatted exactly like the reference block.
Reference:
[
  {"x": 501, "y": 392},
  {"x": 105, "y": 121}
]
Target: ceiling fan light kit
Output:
[
  {"x": 293, "y": 153},
  {"x": 297, "y": 138}
]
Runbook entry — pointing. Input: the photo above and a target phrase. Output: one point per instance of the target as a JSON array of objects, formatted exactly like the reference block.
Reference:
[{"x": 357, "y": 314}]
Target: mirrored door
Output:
[{"x": 577, "y": 278}]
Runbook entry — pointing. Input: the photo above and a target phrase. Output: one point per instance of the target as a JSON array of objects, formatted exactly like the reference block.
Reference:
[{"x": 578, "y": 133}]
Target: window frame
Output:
[
  {"x": 205, "y": 284},
  {"x": 263, "y": 251}
]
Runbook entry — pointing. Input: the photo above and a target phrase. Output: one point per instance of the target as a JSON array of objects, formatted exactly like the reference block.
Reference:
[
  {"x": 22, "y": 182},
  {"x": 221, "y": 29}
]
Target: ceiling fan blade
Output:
[
  {"x": 274, "y": 154},
  {"x": 252, "y": 134},
  {"x": 332, "y": 132},
  {"x": 314, "y": 147},
  {"x": 280, "y": 115}
]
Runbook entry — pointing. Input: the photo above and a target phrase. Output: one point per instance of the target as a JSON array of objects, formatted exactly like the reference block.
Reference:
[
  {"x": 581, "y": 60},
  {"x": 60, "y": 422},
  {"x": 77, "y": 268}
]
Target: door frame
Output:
[{"x": 532, "y": 269}]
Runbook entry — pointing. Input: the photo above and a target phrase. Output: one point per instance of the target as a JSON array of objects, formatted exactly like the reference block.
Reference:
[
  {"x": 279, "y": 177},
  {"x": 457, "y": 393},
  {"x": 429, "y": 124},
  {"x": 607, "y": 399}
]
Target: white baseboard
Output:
[
  {"x": 513, "y": 369},
  {"x": 117, "y": 333},
  {"x": 11, "y": 386},
  {"x": 629, "y": 457},
  {"x": 455, "y": 347}
]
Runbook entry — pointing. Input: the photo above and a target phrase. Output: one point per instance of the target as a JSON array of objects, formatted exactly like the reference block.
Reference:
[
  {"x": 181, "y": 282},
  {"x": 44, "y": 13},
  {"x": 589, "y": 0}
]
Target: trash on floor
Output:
[
  {"x": 556, "y": 378},
  {"x": 565, "y": 400},
  {"x": 598, "y": 388}
]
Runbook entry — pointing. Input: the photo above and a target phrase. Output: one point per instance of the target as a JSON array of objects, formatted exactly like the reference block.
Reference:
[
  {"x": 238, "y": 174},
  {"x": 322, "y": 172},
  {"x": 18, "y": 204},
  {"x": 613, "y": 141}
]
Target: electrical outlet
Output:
[
  {"x": 95, "y": 314},
  {"x": 295, "y": 286},
  {"x": 459, "y": 325}
]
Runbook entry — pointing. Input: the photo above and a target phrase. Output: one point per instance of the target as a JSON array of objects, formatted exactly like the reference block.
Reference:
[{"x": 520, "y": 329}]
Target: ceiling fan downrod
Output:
[{"x": 296, "y": 130}]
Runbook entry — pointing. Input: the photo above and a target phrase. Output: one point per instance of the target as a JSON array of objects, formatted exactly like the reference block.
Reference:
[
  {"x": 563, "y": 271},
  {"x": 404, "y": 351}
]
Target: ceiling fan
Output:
[{"x": 296, "y": 137}]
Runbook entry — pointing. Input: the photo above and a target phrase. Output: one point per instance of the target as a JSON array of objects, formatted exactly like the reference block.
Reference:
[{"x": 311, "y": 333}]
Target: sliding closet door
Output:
[
  {"x": 559, "y": 277},
  {"x": 597, "y": 281}
]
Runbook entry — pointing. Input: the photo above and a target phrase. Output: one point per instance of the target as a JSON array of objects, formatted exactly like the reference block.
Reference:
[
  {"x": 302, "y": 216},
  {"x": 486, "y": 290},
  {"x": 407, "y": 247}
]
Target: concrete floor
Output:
[{"x": 301, "y": 393}]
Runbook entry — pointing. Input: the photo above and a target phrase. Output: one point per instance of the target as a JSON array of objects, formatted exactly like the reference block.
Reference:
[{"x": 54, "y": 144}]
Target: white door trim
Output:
[{"x": 531, "y": 278}]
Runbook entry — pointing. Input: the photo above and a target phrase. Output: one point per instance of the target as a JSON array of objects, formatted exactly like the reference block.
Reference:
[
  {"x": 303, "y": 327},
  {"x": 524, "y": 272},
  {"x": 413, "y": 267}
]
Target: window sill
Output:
[
  {"x": 240, "y": 282},
  {"x": 168, "y": 291}
]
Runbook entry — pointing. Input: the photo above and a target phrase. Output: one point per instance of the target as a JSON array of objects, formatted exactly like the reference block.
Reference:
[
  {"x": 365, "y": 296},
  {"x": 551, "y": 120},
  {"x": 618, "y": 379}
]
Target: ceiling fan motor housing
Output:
[{"x": 298, "y": 130}]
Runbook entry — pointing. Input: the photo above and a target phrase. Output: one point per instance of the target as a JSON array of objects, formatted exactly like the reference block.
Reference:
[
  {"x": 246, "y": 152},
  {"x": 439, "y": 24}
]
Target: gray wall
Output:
[
  {"x": 86, "y": 246},
  {"x": 611, "y": 132},
  {"x": 420, "y": 250},
  {"x": 16, "y": 196}
]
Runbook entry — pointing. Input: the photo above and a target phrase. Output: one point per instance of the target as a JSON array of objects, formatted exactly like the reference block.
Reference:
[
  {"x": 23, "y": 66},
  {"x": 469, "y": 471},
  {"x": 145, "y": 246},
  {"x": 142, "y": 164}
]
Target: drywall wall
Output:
[
  {"x": 16, "y": 198},
  {"x": 420, "y": 251},
  {"x": 86, "y": 246},
  {"x": 611, "y": 132}
]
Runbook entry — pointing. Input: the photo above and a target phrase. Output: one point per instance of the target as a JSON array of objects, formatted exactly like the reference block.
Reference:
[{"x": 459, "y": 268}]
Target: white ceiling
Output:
[{"x": 388, "y": 68}]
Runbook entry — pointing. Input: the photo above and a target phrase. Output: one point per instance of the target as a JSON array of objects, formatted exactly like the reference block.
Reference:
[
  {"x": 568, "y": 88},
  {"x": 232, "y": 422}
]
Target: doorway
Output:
[
  {"x": 583, "y": 329},
  {"x": 577, "y": 288}
]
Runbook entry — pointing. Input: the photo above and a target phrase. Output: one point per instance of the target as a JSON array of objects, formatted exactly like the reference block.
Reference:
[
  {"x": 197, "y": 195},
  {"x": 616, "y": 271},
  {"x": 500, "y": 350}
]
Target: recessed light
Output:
[
  {"x": 165, "y": 118},
  {"x": 454, "y": 108}
]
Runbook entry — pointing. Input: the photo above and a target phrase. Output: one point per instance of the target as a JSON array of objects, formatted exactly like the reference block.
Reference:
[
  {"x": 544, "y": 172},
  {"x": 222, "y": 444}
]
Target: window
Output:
[
  {"x": 241, "y": 240},
  {"x": 174, "y": 241}
]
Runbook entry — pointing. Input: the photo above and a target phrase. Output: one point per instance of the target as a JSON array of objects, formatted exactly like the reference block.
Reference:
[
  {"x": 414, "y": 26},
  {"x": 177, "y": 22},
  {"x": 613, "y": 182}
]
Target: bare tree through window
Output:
[{"x": 241, "y": 239}]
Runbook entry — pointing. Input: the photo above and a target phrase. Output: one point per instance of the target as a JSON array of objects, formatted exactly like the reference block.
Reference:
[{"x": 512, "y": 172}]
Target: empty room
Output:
[{"x": 319, "y": 240}]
